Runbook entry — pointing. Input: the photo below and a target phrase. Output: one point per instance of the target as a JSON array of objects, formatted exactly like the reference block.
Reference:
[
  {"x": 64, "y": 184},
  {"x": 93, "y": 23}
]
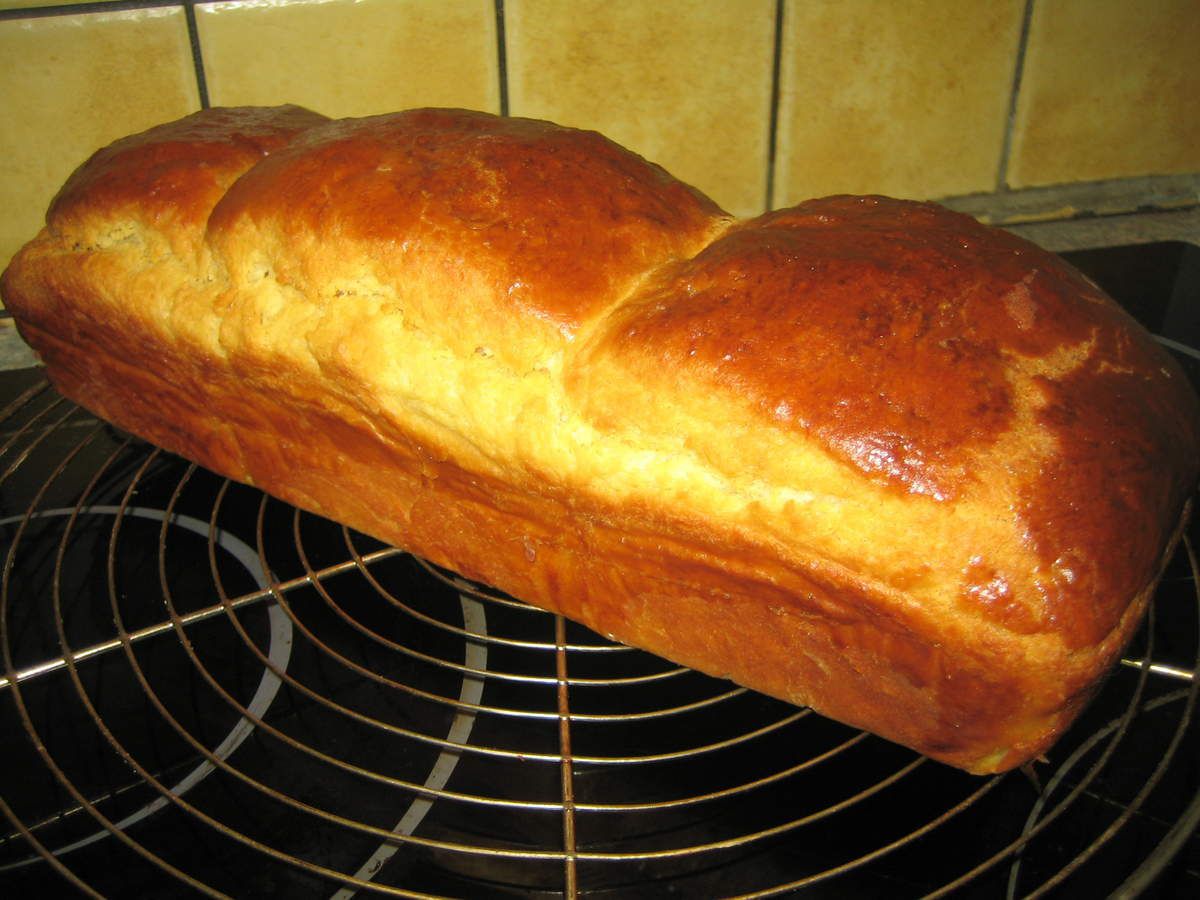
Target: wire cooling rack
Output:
[{"x": 204, "y": 688}]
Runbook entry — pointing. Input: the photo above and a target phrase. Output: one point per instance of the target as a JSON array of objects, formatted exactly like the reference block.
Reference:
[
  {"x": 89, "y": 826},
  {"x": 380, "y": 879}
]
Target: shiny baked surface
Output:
[{"x": 862, "y": 454}]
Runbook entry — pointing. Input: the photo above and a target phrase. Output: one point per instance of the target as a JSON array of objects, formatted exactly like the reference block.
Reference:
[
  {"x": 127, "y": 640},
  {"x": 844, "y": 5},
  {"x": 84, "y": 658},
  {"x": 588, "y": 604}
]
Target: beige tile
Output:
[
  {"x": 907, "y": 99},
  {"x": 1111, "y": 88},
  {"x": 346, "y": 58},
  {"x": 686, "y": 83},
  {"x": 69, "y": 85}
]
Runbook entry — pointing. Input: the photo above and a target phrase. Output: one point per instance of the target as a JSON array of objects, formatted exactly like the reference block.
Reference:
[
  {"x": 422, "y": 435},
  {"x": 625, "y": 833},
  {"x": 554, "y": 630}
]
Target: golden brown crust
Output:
[
  {"x": 546, "y": 226},
  {"x": 169, "y": 178},
  {"x": 862, "y": 454},
  {"x": 919, "y": 347}
]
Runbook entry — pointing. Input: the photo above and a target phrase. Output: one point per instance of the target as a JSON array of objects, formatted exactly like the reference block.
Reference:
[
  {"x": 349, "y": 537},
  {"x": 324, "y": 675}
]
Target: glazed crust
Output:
[{"x": 862, "y": 454}]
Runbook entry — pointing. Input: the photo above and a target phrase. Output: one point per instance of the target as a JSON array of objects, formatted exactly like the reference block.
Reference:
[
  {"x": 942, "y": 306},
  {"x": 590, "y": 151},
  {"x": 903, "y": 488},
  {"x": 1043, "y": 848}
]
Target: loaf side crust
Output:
[{"x": 702, "y": 601}]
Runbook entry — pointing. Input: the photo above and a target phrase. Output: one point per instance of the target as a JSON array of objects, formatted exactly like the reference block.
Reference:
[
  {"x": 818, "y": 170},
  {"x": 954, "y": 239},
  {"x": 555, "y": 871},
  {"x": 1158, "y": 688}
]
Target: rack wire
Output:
[{"x": 204, "y": 687}]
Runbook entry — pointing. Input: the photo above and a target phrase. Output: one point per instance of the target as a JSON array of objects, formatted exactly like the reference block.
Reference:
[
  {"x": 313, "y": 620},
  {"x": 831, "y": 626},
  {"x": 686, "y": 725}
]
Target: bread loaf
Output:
[{"x": 860, "y": 454}]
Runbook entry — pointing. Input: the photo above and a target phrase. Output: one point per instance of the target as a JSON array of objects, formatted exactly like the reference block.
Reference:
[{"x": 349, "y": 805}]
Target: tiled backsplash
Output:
[{"x": 1009, "y": 108}]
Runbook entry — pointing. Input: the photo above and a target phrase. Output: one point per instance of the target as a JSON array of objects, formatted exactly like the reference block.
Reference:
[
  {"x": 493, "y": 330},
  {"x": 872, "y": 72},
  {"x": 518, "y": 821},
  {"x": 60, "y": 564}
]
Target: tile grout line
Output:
[
  {"x": 501, "y": 56},
  {"x": 1001, "y": 184},
  {"x": 773, "y": 116},
  {"x": 189, "y": 11},
  {"x": 51, "y": 10}
]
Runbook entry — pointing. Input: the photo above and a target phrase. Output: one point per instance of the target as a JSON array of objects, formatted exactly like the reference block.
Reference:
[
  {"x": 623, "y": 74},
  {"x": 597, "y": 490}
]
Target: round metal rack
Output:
[{"x": 206, "y": 688}]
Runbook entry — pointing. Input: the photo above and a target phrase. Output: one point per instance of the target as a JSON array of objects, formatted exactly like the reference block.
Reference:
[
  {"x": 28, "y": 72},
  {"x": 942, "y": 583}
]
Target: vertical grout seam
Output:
[
  {"x": 189, "y": 10},
  {"x": 773, "y": 119},
  {"x": 501, "y": 57},
  {"x": 1001, "y": 186}
]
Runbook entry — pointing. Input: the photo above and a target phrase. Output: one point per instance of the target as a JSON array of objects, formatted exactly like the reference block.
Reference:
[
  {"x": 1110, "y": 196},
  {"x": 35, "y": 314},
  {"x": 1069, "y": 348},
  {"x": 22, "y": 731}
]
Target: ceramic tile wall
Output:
[
  {"x": 72, "y": 83},
  {"x": 686, "y": 83},
  {"x": 906, "y": 99},
  {"x": 757, "y": 102},
  {"x": 351, "y": 57},
  {"x": 1110, "y": 89}
]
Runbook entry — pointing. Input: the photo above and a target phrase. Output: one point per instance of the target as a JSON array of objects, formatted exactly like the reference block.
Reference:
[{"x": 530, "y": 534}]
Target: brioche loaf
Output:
[{"x": 860, "y": 454}]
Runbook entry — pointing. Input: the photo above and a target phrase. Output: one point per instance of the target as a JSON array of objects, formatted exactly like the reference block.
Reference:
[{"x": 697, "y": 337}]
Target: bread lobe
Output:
[
  {"x": 862, "y": 454},
  {"x": 506, "y": 227}
]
